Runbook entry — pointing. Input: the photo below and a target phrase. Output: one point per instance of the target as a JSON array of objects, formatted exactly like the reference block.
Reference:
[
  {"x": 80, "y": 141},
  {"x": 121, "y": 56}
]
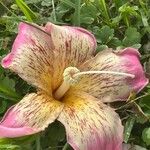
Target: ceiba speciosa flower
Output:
[{"x": 73, "y": 84}]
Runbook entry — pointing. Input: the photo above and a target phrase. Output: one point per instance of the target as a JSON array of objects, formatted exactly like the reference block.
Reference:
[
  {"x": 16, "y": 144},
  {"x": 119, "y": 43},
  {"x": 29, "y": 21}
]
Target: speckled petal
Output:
[
  {"x": 72, "y": 47},
  {"x": 31, "y": 115},
  {"x": 32, "y": 56},
  {"x": 42, "y": 53},
  {"x": 110, "y": 87},
  {"x": 90, "y": 124}
]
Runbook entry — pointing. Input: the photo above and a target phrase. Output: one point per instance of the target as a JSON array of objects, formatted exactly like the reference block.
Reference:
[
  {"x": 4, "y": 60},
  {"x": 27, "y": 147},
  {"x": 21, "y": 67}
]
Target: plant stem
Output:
[
  {"x": 65, "y": 146},
  {"x": 54, "y": 12},
  {"x": 126, "y": 21},
  {"x": 38, "y": 145},
  {"x": 77, "y": 12},
  {"x": 132, "y": 101}
]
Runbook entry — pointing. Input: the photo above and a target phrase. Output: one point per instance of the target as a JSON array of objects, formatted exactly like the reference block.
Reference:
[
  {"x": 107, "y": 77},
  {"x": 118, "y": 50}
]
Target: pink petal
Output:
[
  {"x": 90, "y": 124},
  {"x": 42, "y": 53},
  {"x": 108, "y": 87},
  {"x": 32, "y": 56},
  {"x": 31, "y": 115},
  {"x": 8, "y": 126},
  {"x": 130, "y": 57},
  {"x": 73, "y": 46},
  {"x": 15, "y": 132}
]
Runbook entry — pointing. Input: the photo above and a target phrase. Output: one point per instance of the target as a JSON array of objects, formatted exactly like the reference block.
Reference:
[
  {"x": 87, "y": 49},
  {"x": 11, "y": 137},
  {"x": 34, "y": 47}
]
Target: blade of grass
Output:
[
  {"x": 54, "y": 13},
  {"x": 143, "y": 5},
  {"x": 65, "y": 146},
  {"x": 128, "y": 128},
  {"x": 30, "y": 15},
  {"x": 104, "y": 10}
]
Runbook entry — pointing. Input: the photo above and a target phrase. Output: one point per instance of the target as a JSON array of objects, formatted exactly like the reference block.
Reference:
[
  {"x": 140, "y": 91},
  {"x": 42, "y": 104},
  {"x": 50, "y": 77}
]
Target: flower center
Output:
[
  {"x": 69, "y": 80},
  {"x": 71, "y": 76}
]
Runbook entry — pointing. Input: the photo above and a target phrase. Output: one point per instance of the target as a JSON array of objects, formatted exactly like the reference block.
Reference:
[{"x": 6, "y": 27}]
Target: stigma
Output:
[
  {"x": 69, "y": 79},
  {"x": 72, "y": 75}
]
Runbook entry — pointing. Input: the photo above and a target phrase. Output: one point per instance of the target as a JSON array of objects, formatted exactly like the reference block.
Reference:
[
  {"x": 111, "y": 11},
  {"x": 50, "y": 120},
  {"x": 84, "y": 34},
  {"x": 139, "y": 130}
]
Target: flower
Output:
[{"x": 73, "y": 84}]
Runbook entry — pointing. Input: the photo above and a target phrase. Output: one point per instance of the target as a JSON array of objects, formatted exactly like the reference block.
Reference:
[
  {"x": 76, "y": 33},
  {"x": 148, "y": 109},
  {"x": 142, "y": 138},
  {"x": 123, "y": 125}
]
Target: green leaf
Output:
[
  {"x": 128, "y": 9},
  {"x": 10, "y": 147},
  {"x": 69, "y": 3},
  {"x": 128, "y": 128},
  {"x": 89, "y": 10},
  {"x": 101, "y": 47},
  {"x": 18, "y": 141},
  {"x": 57, "y": 131},
  {"x": 86, "y": 20},
  {"x": 146, "y": 136},
  {"x": 54, "y": 135},
  {"x": 145, "y": 102},
  {"x": 132, "y": 37},
  {"x": 63, "y": 9},
  {"x": 137, "y": 46},
  {"x": 116, "y": 20},
  {"x": 7, "y": 89},
  {"x": 104, "y": 35},
  {"x": 3, "y": 106},
  {"x": 30, "y": 15},
  {"x": 1, "y": 70},
  {"x": 115, "y": 42},
  {"x": 88, "y": 14}
]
